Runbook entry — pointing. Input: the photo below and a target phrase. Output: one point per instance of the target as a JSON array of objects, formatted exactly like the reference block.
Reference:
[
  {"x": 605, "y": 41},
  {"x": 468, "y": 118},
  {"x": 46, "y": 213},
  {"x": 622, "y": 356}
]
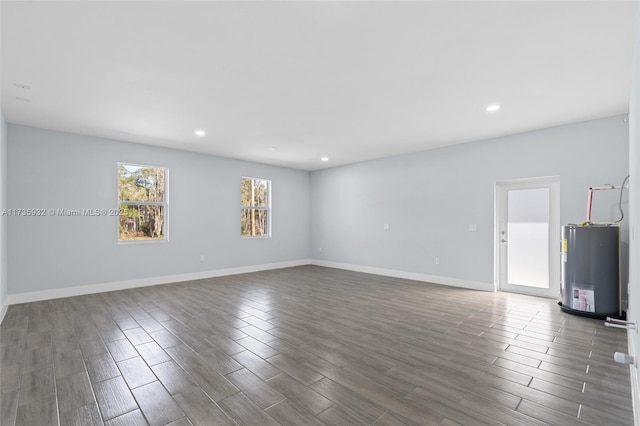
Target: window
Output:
[
  {"x": 142, "y": 202},
  {"x": 255, "y": 211}
]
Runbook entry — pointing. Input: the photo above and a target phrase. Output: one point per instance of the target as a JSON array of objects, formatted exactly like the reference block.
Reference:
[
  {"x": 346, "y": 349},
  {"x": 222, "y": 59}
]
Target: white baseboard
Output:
[
  {"x": 634, "y": 395},
  {"x": 633, "y": 371},
  {"x": 3, "y": 311},
  {"x": 35, "y": 296},
  {"x": 435, "y": 279}
]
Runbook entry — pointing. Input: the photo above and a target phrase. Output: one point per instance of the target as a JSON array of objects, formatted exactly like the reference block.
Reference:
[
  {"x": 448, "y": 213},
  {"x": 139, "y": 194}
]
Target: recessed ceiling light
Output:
[
  {"x": 493, "y": 108},
  {"x": 200, "y": 133},
  {"x": 274, "y": 148},
  {"x": 324, "y": 159}
]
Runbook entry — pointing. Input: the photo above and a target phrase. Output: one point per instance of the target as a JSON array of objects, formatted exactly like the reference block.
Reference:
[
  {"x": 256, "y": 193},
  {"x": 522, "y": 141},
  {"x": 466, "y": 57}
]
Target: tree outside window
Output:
[
  {"x": 142, "y": 200},
  {"x": 255, "y": 210}
]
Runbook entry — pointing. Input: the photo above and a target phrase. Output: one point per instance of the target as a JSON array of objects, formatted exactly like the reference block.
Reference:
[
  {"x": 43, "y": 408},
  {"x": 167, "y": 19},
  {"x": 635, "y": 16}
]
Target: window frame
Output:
[
  {"x": 164, "y": 204},
  {"x": 268, "y": 208}
]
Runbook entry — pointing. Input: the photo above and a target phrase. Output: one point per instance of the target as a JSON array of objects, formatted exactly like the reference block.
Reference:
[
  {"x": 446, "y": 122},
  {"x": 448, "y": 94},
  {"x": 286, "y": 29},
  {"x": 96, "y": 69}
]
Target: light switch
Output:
[{"x": 473, "y": 227}]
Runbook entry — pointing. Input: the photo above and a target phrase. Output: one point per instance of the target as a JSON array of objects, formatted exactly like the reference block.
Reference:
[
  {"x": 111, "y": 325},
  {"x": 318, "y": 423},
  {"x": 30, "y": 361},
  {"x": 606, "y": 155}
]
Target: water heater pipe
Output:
[
  {"x": 590, "y": 197},
  {"x": 589, "y": 204}
]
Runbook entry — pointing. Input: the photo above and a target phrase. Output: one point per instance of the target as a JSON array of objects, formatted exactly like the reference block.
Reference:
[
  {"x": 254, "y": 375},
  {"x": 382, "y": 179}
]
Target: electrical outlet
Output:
[
  {"x": 437, "y": 260},
  {"x": 202, "y": 258},
  {"x": 320, "y": 249},
  {"x": 386, "y": 226}
]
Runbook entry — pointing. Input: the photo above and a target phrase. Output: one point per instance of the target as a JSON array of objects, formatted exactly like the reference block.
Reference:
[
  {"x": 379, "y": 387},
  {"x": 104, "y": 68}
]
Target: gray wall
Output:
[
  {"x": 429, "y": 199},
  {"x": 3, "y": 219},
  {"x": 59, "y": 170}
]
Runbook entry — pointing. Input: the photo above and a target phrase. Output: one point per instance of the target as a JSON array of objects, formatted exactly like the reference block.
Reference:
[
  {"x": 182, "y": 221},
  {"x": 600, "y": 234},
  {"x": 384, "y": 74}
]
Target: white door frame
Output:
[{"x": 500, "y": 247}]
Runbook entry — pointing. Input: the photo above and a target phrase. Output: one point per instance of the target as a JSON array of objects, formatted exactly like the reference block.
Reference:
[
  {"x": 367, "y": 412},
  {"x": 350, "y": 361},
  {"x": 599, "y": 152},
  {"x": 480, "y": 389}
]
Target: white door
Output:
[{"x": 528, "y": 236}]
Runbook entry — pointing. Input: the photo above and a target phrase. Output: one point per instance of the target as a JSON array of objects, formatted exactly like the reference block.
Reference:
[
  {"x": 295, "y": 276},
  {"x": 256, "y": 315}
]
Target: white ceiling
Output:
[{"x": 349, "y": 80}]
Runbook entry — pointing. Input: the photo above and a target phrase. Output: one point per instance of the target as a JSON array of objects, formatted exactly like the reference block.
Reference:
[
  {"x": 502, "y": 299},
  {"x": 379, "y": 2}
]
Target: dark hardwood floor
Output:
[{"x": 308, "y": 346}]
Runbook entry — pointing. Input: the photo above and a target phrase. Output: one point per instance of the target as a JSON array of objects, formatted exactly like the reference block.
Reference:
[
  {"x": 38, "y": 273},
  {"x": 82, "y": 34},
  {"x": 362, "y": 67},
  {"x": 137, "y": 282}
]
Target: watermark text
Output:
[{"x": 51, "y": 212}]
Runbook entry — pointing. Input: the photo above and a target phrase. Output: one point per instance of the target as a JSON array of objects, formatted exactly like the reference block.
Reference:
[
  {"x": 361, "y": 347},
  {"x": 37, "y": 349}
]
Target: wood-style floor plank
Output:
[
  {"x": 156, "y": 404},
  {"x": 255, "y": 388},
  {"x": 200, "y": 409},
  {"x": 308, "y": 346}
]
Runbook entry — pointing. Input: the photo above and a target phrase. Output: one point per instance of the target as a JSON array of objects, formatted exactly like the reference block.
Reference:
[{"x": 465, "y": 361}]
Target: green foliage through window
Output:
[
  {"x": 142, "y": 202},
  {"x": 255, "y": 207}
]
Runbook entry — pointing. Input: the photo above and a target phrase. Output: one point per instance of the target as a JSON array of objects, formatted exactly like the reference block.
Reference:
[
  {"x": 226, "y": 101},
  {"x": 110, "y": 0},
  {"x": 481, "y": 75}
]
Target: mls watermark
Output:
[{"x": 62, "y": 212}]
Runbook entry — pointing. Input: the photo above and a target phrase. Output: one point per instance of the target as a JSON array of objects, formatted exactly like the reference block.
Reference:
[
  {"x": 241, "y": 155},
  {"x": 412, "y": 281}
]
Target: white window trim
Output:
[
  {"x": 268, "y": 209},
  {"x": 164, "y": 204}
]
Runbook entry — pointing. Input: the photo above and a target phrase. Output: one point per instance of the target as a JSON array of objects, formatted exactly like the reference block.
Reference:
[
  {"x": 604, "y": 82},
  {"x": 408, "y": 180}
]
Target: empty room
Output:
[{"x": 319, "y": 213}]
